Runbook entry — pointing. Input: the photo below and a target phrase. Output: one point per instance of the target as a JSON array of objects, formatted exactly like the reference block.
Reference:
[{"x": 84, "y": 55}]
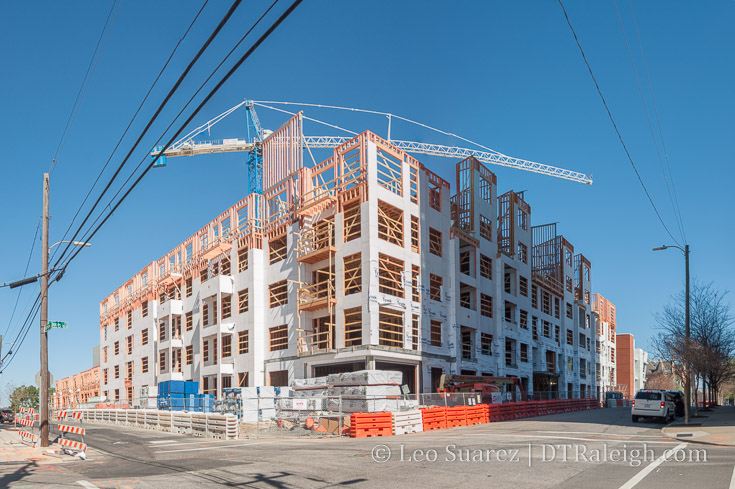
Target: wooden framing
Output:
[
  {"x": 415, "y": 331},
  {"x": 353, "y": 326},
  {"x": 242, "y": 259},
  {"x": 486, "y": 228},
  {"x": 351, "y": 222},
  {"x": 226, "y": 345},
  {"x": 390, "y": 327},
  {"x": 320, "y": 293},
  {"x": 435, "y": 287},
  {"x": 243, "y": 342},
  {"x": 316, "y": 243},
  {"x": 352, "y": 274},
  {"x": 486, "y": 267},
  {"x": 278, "y": 338},
  {"x": 486, "y": 305},
  {"x": 243, "y": 301},
  {"x": 435, "y": 242},
  {"x": 415, "y": 283},
  {"x": 436, "y": 333},
  {"x": 415, "y": 235},
  {"x": 226, "y": 306},
  {"x": 389, "y": 170},
  {"x": 390, "y": 275},
  {"x": 390, "y": 223},
  {"x": 278, "y": 294},
  {"x": 464, "y": 262},
  {"x": 188, "y": 321},
  {"x": 277, "y": 249}
]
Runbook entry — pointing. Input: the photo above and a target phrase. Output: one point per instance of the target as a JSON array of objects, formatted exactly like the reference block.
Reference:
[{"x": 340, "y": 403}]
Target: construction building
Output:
[
  {"x": 365, "y": 260},
  {"x": 77, "y": 390},
  {"x": 604, "y": 315}
]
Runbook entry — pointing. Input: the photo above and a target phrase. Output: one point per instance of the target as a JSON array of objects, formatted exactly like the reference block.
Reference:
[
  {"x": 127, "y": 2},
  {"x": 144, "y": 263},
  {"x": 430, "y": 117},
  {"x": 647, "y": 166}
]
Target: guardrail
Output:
[{"x": 207, "y": 425}]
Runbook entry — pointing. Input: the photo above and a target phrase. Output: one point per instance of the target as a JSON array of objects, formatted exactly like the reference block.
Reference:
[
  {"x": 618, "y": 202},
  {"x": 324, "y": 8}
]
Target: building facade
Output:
[
  {"x": 365, "y": 260},
  {"x": 81, "y": 388},
  {"x": 604, "y": 315},
  {"x": 640, "y": 368}
]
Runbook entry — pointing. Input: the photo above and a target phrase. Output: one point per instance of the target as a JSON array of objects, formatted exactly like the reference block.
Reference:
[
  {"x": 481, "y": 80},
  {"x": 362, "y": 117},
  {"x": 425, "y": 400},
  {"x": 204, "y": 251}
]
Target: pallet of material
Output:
[
  {"x": 366, "y": 377},
  {"x": 371, "y": 391}
]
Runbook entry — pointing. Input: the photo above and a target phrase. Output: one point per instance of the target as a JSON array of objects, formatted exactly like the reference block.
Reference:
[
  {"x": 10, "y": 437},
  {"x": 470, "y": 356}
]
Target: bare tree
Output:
[{"x": 711, "y": 347}]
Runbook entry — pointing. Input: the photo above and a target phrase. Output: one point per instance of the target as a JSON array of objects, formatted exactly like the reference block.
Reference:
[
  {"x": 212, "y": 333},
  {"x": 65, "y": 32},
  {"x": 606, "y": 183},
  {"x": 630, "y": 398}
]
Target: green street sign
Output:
[{"x": 55, "y": 324}]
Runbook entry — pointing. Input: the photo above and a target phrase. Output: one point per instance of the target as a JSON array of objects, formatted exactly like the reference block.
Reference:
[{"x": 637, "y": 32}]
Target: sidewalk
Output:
[
  {"x": 13, "y": 451},
  {"x": 718, "y": 428}
]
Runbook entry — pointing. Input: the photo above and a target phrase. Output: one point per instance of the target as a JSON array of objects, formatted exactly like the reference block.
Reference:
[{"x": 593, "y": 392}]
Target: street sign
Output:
[
  {"x": 55, "y": 324},
  {"x": 50, "y": 379}
]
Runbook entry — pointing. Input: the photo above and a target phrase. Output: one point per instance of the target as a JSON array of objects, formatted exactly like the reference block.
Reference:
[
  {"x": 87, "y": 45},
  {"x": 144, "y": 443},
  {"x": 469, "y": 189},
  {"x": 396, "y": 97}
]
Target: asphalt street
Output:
[{"x": 600, "y": 448}]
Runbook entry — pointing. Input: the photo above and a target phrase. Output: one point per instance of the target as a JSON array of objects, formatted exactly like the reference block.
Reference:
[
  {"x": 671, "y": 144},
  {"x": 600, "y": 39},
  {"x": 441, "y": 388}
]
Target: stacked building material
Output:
[{"x": 177, "y": 395}]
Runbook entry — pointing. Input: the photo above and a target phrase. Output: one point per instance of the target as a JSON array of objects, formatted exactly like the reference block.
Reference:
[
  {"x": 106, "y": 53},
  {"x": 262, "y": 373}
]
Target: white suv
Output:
[{"x": 653, "y": 404}]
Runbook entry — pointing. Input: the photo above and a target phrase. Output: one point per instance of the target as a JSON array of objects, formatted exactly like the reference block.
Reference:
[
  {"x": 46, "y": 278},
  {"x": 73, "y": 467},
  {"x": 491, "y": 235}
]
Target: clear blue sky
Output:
[{"x": 505, "y": 74}]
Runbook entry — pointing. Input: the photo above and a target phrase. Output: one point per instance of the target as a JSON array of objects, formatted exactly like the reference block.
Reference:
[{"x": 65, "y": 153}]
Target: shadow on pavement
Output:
[{"x": 18, "y": 474}]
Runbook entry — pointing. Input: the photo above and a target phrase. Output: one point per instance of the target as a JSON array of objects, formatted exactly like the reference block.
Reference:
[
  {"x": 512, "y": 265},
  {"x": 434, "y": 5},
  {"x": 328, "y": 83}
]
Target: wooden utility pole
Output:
[{"x": 44, "y": 387}]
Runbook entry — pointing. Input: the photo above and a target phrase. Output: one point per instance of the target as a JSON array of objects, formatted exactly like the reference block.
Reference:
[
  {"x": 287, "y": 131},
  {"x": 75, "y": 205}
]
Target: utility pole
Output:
[
  {"x": 43, "y": 418},
  {"x": 687, "y": 334}
]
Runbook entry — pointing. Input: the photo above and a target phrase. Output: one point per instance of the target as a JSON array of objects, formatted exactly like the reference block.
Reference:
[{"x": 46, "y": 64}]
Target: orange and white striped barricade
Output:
[
  {"x": 27, "y": 417},
  {"x": 72, "y": 430}
]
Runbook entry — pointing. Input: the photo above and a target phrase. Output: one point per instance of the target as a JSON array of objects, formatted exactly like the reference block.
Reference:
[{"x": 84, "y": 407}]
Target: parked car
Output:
[
  {"x": 653, "y": 404},
  {"x": 6, "y": 416},
  {"x": 678, "y": 402}
]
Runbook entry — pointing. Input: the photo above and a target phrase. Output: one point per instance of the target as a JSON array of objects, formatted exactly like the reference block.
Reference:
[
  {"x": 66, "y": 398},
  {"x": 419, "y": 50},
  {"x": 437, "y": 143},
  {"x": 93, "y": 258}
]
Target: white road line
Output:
[
  {"x": 649, "y": 468},
  {"x": 595, "y": 439},
  {"x": 162, "y": 441},
  {"x": 194, "y": 442},
  {"x": 88, "y": 485},
  {"x": 198, "y": 448},
  {"x": 601, "y": 433},
  {"x": 732, "y": 479}
]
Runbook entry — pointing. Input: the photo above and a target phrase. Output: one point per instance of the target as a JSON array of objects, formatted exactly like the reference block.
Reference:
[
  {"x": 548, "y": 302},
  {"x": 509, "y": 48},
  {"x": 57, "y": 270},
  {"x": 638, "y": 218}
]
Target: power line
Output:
[
  {"x": 615, "y": 126},
  {"x": 135, "y": 115},
  {"x": 211, "y": 94},
  {"x": 15, "y": 346},
  {"x": 86, "y": 237},
  {"x": 658, "y": 121},
  {"x": 648, "y": 120},
  {"x": 25, "y": 274},
  {"x": 170, "y": 94},
  {"x": 82, "y": 90}
]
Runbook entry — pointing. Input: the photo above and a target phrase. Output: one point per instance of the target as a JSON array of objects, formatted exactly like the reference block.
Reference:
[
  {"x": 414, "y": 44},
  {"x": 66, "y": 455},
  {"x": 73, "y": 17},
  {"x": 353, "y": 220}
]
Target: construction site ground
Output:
[{"x": 495, "y": 454}]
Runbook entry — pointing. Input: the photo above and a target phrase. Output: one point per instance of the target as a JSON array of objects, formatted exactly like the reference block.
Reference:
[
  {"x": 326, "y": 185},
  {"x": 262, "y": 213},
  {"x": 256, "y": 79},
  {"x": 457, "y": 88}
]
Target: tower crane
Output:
[{"x": 253, "y": 143}]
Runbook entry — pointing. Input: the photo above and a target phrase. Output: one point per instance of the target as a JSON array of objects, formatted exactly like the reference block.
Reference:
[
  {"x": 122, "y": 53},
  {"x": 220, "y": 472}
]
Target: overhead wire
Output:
[
  {"x": 160, "y": 108},
  {"x": 615, "y": 126},
  {"x": 648, "y": 120},
  {"x": 173, "y": 121},
  {"x": 25, "y": 274},
  {"x": 132, "y": 119},
  {"x": 658, "y": 120},
  {"x": 91, "y": 67},
  {"x": 211, "y": 94}
]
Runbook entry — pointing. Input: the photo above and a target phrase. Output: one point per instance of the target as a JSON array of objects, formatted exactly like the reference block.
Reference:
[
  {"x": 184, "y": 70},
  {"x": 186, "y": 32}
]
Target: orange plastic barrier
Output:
[
  {"x": 434, "y": 418},
  {"x": 477, "y": 414},
  {"x": 456, "y": 416},
  {"x": 493, "y": 412},
  {"x": 371, "y": 424}
]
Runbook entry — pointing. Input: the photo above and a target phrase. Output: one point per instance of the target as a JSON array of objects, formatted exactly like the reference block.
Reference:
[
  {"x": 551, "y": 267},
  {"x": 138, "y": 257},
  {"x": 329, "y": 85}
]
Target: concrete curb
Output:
[{"x": 690, "y": 440}]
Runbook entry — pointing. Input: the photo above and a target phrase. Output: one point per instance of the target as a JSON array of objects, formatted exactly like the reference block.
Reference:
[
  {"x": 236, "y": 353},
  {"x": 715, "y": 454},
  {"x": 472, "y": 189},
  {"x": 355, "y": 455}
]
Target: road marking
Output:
[
  {"x": 195, "y": 449},
  {"x": 88, "y": 485},
  {"x": 596, "y": 439},
  {"x": 194, "y": 442},
  {"x": 732, "y": 479},
  {"x": 600, "y": 433},
  {"x": 649, "y": 468},
  {"x": 162, "y": 441}
]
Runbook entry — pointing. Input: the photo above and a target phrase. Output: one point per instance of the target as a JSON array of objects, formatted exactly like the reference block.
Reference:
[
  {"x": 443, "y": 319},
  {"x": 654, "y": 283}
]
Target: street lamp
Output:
[
  {"x": 687, "y": 331},
  {"x": 73, "y": 243},
  {"x": 34, "y": 279}
]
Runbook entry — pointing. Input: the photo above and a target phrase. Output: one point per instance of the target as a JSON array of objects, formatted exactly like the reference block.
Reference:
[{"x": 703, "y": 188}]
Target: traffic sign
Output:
[
  {"x": 50, "y": 379},
  {"x": 55, "y": 324}
]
